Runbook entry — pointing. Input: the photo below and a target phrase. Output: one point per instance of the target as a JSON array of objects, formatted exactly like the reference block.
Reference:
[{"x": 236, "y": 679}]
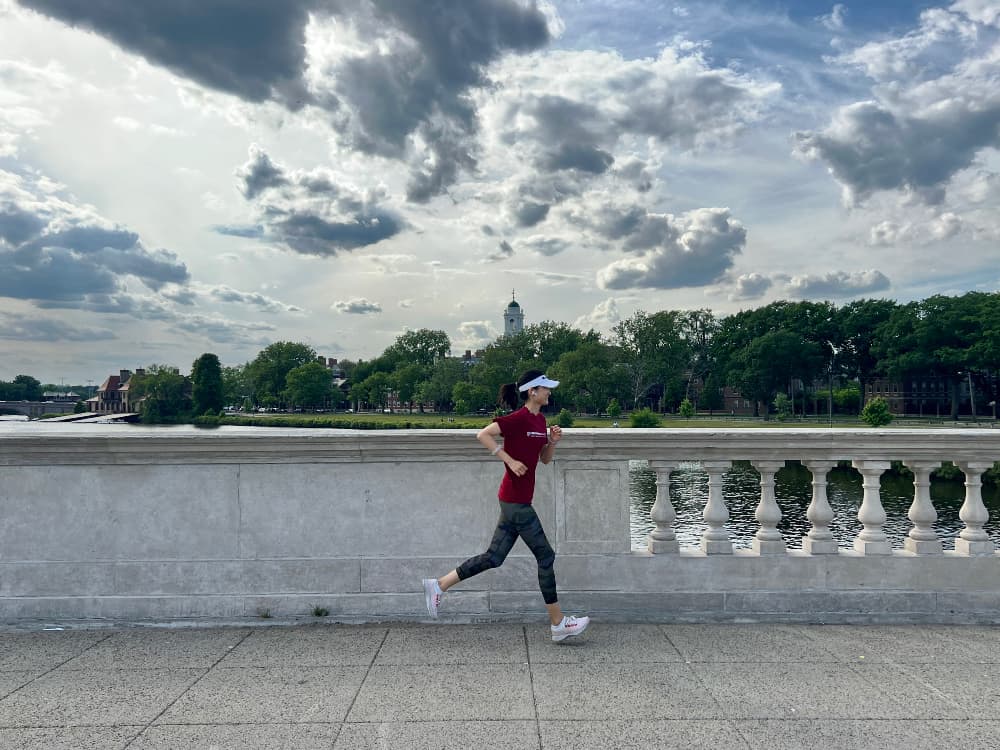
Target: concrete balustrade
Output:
[{"x": 132, "y": 523}]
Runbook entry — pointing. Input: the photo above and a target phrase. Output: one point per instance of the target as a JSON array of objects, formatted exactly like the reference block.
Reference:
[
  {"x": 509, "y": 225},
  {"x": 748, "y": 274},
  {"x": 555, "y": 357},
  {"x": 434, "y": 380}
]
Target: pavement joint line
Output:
[
  {"x": 704, "y": 686},
  {"x": 531, "y": 684},
  {"x": 186, "y": 690},
  {"x": 666, "y": 637},
  {"x": 57, "y": 666},
  {"x": 361, "y": 685},
  {"x": 907, "y": 668}
]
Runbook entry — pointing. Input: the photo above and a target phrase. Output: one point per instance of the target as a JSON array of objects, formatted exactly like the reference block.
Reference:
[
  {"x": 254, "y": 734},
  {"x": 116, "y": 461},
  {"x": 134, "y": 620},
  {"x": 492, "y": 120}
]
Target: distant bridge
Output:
[{"x": 35, "y": 409}]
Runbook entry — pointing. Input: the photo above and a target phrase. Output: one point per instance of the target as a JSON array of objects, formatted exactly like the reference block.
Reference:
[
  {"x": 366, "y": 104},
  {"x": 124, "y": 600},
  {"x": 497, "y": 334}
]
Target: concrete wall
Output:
[{"x": 132, "y": 523}]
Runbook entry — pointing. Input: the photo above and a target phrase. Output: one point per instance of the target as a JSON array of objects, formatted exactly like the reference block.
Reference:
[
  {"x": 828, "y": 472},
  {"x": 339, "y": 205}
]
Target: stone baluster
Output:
[
  {"x": 819, "y": 540},
  {"x": 872, "y": 540},
  {"x": 767, "y": 540},
  {"x": 715, "y": 539},
  {"x": 663, "y": 539},
  {"x": 973, "y": 540},
  {"x": 922, "y": 539}
]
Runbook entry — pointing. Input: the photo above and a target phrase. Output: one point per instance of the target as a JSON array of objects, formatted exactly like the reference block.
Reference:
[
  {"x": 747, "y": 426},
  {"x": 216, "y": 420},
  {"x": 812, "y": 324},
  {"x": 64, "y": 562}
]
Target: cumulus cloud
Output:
[
  {"x": 889, "y": 233},
  {"x": 693, "y": 249},
  {"x": 424, "y": 66},
  {"x": 332, "y": 55},
  {"x": 53, "y": 249},
  {"x": 986, "y": 12},
  {"x": 503, "y": 252},
  {"x": 837, "y": 284},
  {"x": 602, "y": 318},
  {"x": 223, "y": 331},
  {"x": 544, "y": 245},
  {"x": 935, "y": 107},
  {"x": 356, "y": 306},
  {"x": 17, "y": 327},
  {"x": 573, "y": 117},
  {"x": 750, "y": 286},
  {"x": 253, "y": 49},
  {"x": 835, "y": 20},
  {"x": 310, "y": 212},
  {"x": 225, "y": 293},
  {"x": 27, "y": 93}
]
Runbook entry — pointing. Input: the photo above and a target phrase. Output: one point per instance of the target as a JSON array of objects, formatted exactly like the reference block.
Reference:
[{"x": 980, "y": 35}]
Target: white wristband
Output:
[{"x": 497, "y": 449}]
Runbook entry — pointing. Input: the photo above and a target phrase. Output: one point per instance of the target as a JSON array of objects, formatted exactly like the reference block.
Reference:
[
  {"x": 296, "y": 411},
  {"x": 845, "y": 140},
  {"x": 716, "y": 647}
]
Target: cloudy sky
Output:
[{"x": 215, "y": 175}]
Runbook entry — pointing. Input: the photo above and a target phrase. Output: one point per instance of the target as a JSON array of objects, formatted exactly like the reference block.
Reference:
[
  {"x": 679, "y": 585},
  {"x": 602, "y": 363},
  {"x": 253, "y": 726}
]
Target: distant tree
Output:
[
  {"x": 406, "y": 380},
  {"x": 472, "y": 397},
  {"x": 236, "y": 386},
  {"x": 651, "y": 352},
  {"x": 420, "y": 347},
  {"x": 711, "y": 394},
  {"x": 165, "y": 394},
  {"x": 206, "y": 385},
  {"x": 564, "y": 418},
  {"x": 377, "y": 386},
  {"x": 438, "y": 388},
  {"x": 589, "y": 376},
  {"x": 846, "y": 400},
  {"x": 859, "y": 323},
  {"x": 21, "y": 388},
  {"x": 935, "y": 336},
  {"x": 698, "y": 328},
  {"x": 269, "y": 370},
  {"x": 309, "y": 385},
  {"x": 80, "y": 407}
]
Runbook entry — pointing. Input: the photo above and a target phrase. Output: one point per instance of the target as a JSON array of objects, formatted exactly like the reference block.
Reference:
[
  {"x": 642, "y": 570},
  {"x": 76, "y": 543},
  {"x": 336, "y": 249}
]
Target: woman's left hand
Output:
[{"x": 555, "y": 433}]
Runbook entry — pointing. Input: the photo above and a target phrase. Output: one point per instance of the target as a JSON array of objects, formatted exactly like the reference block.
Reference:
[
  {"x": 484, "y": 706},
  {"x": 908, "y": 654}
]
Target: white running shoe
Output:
[
  {"x": 432, "y": 596},
  {"x": 569, "y": 627}
]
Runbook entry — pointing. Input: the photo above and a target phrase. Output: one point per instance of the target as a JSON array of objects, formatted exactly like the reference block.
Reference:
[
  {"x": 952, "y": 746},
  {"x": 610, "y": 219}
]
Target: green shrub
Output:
[
  {"x": 564, "y": 418},
  {"x": 614, "y": 409},
  {"x": 686, "y": 409},
  {"x": 782, "y": 406},
  {"x": 644, "y": 418},
  {"x": 876, "y": 413}
]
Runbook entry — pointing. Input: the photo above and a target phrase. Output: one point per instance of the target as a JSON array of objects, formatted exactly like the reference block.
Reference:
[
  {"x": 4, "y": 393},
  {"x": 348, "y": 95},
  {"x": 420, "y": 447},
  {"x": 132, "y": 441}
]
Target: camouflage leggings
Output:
[{"x": 517, "y": 520}]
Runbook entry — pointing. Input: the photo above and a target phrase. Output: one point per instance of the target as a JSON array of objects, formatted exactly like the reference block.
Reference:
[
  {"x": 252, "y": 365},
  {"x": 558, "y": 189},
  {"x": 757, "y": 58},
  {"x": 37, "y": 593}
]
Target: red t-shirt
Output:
[{"x": 524, "y": 437}]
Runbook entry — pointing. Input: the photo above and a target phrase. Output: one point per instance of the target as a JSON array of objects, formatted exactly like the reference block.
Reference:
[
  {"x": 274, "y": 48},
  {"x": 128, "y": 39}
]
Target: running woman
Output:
[{"x": 526, "y": 441}]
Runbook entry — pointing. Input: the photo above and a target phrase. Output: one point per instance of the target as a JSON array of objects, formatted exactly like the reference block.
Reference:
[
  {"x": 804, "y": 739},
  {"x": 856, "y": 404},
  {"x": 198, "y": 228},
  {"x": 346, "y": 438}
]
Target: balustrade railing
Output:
[{"x": 922, "y": 538}]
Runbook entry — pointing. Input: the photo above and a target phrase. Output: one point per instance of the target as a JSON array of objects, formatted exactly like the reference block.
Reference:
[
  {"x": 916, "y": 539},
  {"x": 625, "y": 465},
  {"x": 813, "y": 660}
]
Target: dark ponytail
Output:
[
  {"x": 509, "y": 393},
  {"x": 508, "y": 396}
]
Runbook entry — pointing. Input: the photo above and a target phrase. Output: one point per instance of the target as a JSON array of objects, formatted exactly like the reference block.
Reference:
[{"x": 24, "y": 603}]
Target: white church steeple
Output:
[{"x": 513, "y": 317}]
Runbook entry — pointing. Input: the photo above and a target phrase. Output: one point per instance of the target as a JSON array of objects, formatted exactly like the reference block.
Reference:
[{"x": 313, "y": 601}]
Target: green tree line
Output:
[{"x": 657, "y": 360}]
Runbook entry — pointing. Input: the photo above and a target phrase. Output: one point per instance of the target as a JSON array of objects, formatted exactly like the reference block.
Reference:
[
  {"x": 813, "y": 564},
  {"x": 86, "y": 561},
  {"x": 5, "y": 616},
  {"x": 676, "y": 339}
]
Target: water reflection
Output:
[{"x": 793, "y": 490}]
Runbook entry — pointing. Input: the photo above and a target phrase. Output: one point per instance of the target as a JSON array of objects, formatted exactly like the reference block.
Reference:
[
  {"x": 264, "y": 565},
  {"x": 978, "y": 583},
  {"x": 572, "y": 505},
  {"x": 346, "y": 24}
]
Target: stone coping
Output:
[{"x": 40, "y": 444}]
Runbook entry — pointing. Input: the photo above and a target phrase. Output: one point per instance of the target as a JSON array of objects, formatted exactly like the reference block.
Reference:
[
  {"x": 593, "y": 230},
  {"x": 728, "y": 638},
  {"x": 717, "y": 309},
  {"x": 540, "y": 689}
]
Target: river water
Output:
[{"x": 793, "y": 489}]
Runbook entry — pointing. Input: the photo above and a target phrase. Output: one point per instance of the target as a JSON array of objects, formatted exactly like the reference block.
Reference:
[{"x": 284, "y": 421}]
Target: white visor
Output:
[{"x": 540, "y": 380}]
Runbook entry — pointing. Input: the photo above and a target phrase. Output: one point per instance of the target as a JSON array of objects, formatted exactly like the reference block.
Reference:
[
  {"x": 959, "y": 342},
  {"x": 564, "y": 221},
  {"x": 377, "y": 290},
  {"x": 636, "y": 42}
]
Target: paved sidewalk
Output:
[{"x": 502, "y": 686}]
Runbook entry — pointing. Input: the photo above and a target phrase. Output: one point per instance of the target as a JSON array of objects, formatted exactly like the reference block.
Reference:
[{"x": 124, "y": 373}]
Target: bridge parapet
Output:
[{"x": 135, "y": 523}]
